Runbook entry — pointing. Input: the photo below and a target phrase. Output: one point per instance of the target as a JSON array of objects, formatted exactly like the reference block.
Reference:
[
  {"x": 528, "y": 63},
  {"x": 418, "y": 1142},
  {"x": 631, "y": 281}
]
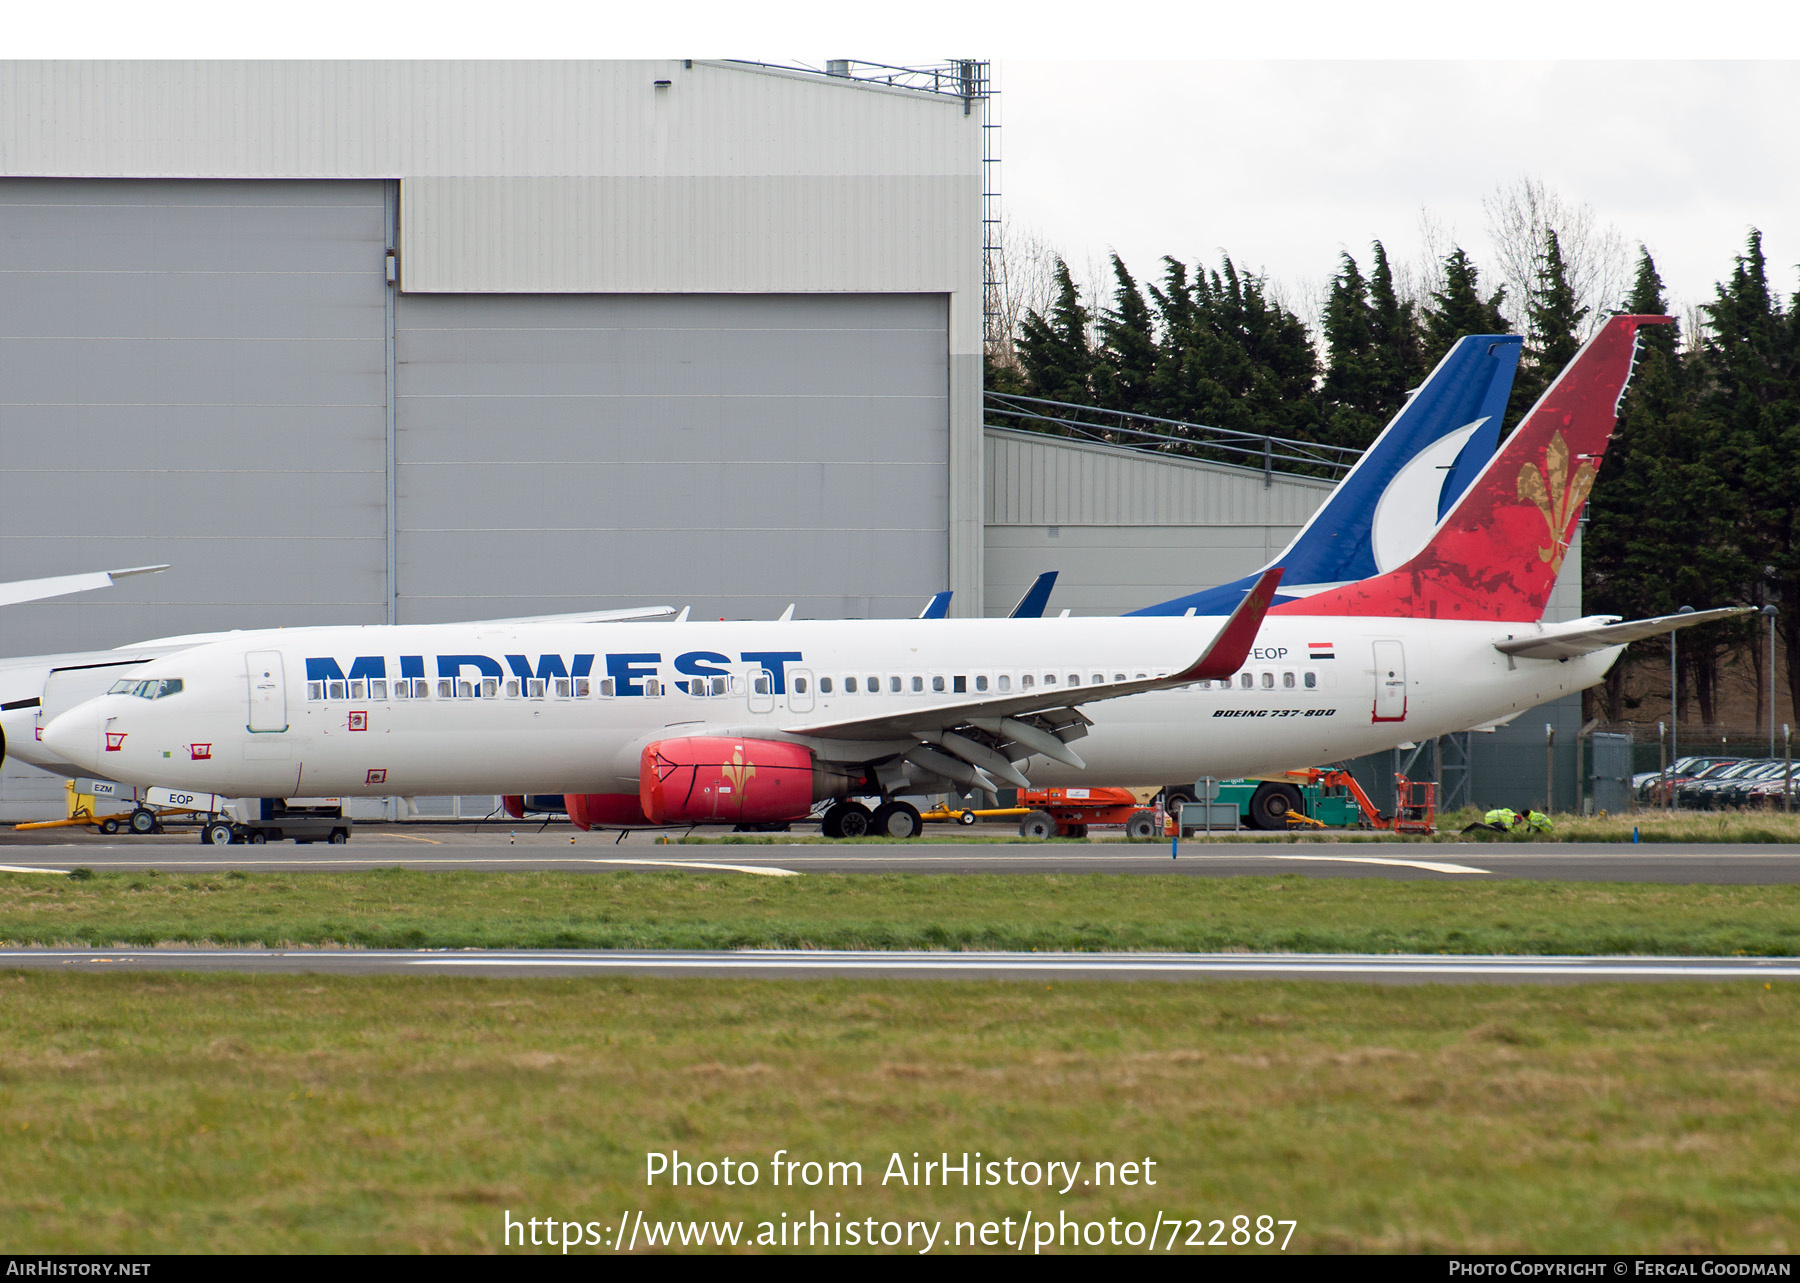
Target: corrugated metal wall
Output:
[
  {"x": 733, "y": 453},
  {"x": 192, "y": 373},
  {"x": 1124, "y": 528}
]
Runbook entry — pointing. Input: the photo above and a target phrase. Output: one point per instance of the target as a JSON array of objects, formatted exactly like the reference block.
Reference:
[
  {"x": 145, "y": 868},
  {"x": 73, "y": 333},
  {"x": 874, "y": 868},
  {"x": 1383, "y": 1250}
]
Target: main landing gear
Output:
[{"x": 889, "y": 820}]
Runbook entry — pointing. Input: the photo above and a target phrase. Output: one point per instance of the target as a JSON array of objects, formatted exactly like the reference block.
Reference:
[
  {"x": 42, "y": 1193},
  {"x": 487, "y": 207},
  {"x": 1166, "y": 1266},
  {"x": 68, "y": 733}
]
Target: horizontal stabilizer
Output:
[
  {"x": 56, "y": 586},
  {"x": 1584, "y": 636}
]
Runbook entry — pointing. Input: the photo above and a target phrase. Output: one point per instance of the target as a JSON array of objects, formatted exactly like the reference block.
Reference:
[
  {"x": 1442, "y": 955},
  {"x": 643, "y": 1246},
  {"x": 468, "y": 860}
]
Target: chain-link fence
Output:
[{"x": 1694, "y": 768}]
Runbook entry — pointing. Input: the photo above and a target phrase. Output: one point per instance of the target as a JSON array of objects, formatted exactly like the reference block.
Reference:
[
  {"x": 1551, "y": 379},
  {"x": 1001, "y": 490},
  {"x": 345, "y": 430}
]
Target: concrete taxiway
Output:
[
  {"x": 445, "y": 847},
  {"x": 899, "y": 965}
]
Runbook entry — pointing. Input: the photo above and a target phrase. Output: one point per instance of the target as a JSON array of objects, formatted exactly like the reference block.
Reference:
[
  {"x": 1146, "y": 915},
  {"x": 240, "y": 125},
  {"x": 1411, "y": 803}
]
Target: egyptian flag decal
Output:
[{"x": 1320, "y": 650}]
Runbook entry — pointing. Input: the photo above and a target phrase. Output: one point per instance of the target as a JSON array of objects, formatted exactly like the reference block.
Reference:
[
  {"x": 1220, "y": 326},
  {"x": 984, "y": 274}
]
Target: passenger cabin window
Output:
[
  {"x": 1246, "y": 681},
  {"x": 421, "y": 688},
  {"x": 720, "y": 684},
  {"x": 561, "y": 686},
  {"x": 1312, "y": 680},
  {"x": 584, "y": 687},
  {"x": 799, "y": 686},
  {"x": 1268, "y": 681},
  {"x": 534, "y": 688},
  {"x": 334, "y": 690},
  {"x": 760, "y": 684},
  {"x": 653, "y": 687},
  {"x": 609, "y": 687},
  {"x": 403, "y": 689},
  {"x": 490, "y": 687},
  {"x": 1026, "y": 682},
  {"x": 512, "y": 688},
  {"x": 981, "y": 681},
  {"x": 893, "y": 685},
  {"x": 960, "y": 686},
  {"x": 937, "y": 685},
  {"x": 1049, "y": 679},
  {"x": 1005, "y": 681},
  {"x": 378, "y": 688},
  {"x": 314, "y": 690},
  {"x": 1074, "y": 679},
  {"x": 873, "y": 686},
  {"x": 824, "y": 686},
  {"x": 849, "y": 686},
  {"x": 1118, "y": 677},
  {"x": 918, "y": 684},
  {"x": 446, "y": 688},
  {"x": 1099, "y": 679},
  {"x": 1287, "y": 681},
  {"x": 465, "y": 688},
  {"x": 359, "y": 690}
]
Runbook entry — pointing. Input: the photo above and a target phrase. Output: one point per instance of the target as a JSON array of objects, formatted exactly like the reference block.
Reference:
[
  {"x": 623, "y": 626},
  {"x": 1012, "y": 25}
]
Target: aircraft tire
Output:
[
  {"x": 1140, "y": 826},
  {"x": 847, "y": 820},
  {"x": 1038, "y": 826},
  {"x": 897, "y": 820},
  {"x": 1270, "y": 804}
]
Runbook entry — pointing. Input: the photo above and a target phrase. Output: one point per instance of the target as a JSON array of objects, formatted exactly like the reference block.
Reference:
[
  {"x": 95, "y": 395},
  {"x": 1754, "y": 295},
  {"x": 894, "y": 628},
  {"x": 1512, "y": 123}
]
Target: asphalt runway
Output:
[
  {"x": 775, "y": 964},
  {"x": 448, "y": 848}
]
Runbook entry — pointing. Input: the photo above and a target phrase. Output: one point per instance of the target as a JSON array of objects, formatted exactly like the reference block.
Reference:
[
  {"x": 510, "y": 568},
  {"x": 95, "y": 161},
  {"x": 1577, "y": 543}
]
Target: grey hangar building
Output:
[{"x": 413, "y": 342}]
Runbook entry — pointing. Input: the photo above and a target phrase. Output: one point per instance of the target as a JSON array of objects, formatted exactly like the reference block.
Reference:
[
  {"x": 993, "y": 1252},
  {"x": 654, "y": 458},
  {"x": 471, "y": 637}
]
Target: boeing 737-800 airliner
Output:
[{"x": 656, "y": 723}]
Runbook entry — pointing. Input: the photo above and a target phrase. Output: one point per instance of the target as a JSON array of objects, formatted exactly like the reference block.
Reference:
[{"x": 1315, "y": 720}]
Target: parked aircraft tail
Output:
[
  {"x": 1497, "y": 555},
  {"x": 1386, "y": 508}
]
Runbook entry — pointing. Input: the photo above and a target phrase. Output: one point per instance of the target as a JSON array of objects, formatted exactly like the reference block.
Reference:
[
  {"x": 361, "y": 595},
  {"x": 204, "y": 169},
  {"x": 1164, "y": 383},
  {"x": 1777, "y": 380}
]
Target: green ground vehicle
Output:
[{"x": 1265, "y": 803}]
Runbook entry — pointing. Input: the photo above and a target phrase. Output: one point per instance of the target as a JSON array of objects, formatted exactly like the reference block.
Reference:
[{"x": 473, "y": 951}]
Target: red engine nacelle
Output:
[{"x": 731, "y": 781}]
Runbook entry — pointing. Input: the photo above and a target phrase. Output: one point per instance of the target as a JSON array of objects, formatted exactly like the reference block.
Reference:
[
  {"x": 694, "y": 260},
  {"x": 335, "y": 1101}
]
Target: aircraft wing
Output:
[
  {"x": 1223, "y": 657},
  {"x": 584, "y": 616},
  {"x": 56, "y": 586},
  {"x": 1584, "y": 636}
]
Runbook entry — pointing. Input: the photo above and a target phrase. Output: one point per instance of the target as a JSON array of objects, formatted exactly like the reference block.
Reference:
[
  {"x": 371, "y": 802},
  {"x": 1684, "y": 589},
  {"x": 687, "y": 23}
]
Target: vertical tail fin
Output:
[{"x": 1498, "y": 553}]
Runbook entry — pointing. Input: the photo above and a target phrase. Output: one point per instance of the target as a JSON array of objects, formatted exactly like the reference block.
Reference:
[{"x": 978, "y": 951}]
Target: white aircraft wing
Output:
[
  {"x": 56, "y": 586},
  {"x": 1584, "y": 636},
  {"x": 582, "y": 617}
]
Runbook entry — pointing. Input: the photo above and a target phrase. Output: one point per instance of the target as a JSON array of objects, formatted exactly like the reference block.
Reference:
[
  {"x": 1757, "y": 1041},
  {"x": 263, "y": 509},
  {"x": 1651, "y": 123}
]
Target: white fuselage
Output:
[{"x": 1316, "y": 694}]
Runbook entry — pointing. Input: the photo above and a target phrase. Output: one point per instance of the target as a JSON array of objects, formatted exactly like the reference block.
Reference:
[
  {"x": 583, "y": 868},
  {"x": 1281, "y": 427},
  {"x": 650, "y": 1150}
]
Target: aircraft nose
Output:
[{"x": 74, "y": 736}]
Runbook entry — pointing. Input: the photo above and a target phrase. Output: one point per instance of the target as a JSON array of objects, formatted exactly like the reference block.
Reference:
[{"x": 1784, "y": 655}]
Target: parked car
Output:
[
  {"x": 1658, "y": 793},
  {"x": 1681, "y": 769}
]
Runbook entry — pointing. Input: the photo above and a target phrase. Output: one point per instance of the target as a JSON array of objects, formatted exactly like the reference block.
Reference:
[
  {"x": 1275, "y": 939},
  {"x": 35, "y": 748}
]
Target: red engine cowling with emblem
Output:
[{"x": 707, "y": 779}]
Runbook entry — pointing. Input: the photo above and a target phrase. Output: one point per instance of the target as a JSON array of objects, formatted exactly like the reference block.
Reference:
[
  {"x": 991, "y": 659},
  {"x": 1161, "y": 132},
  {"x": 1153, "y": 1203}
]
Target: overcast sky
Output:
[{"x": 1284, "y": 165}]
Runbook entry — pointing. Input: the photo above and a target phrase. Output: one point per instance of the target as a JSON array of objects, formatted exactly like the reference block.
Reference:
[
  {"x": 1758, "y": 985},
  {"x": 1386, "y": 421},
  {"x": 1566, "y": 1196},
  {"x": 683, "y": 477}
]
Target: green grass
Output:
[
  {"x": 666, "y": 910},
  {"x": 1751, "y": 827},
  {"x": 274, "y": 1114}
]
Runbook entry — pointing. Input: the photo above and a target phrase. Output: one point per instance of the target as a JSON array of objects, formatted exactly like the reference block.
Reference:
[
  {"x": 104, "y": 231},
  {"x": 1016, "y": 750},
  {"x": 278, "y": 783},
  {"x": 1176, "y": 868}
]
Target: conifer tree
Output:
[
  {"x": 1400, "y": 359},
  {"x": 1352, "y": 388},
  {"x": 1126, "y": 362},
  {"x": 1054, "y": 350},
  {"x": 1459, "y": 309},
  {"x": 1552, "y": 319}
]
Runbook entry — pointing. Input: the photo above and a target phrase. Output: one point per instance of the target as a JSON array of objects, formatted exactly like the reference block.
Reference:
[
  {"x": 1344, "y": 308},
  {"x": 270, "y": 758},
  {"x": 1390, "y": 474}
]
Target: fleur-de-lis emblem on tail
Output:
[
  {"x": 737, "y": 770},
  {"x": 1558, "y": 493}
]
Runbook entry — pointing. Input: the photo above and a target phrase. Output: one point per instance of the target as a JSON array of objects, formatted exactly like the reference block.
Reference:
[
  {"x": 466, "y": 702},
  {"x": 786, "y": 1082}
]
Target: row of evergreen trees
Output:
[{"x": 1695, "y": 504}]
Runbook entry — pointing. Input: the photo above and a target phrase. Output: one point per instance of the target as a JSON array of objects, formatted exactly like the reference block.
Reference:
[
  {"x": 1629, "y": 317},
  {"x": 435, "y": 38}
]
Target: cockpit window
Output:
[
  {"x": 123, "y": 687},
  {"x": 154, "y": 688}
]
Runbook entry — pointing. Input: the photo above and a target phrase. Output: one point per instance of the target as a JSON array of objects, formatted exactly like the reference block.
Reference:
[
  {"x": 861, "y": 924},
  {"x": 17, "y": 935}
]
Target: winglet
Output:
[
  {"x": 1036, "y": 598},
  {"x": 937, "y": 607},
  {"x": 1232, "y": 646}
]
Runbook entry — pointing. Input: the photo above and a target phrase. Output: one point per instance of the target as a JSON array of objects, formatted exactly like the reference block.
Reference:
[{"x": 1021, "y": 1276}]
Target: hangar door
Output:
[
  {"x": 194, "y": 373},
  {"x": 731, "y": 452}
]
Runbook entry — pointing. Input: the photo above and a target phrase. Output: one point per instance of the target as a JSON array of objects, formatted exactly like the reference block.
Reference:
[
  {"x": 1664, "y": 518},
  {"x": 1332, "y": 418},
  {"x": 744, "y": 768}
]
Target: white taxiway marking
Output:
[
  {"x": 26, "y": 868},
  {"x": 766, "y": 870},
  {"x": 1429, "y": 865}
]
